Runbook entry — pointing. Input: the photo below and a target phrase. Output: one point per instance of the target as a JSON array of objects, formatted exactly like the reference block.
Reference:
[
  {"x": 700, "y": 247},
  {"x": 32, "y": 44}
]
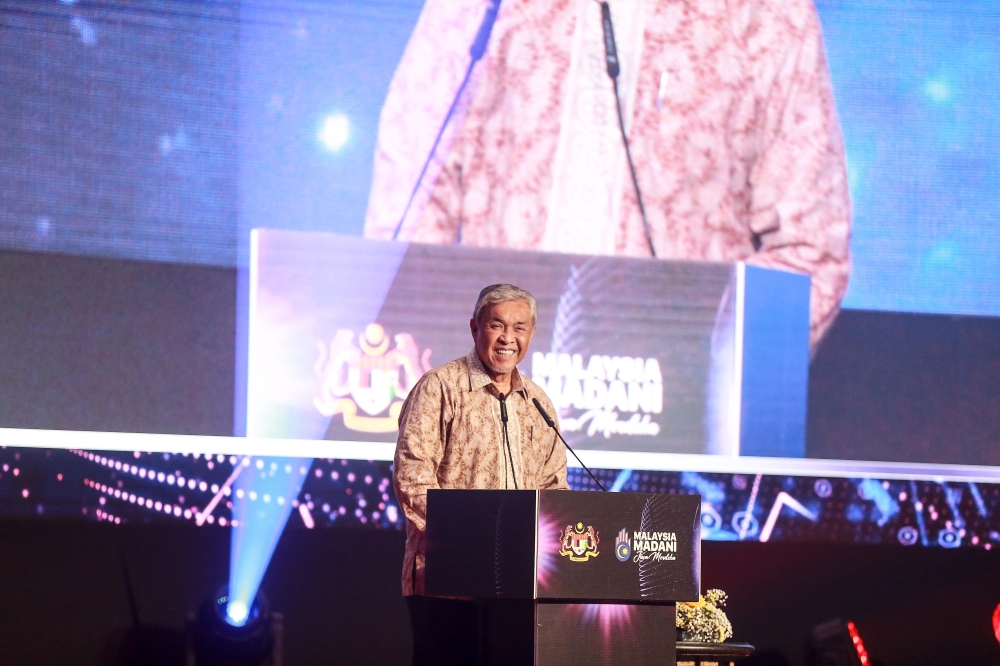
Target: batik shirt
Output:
[
  {"x": 450, "y": 436},
  {"x": 729, "y": 111}
]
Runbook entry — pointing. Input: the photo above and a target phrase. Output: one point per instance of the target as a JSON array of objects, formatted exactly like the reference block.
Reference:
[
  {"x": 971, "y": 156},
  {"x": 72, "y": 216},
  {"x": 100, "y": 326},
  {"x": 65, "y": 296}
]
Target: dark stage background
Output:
[{"x": 65, "y": 600}]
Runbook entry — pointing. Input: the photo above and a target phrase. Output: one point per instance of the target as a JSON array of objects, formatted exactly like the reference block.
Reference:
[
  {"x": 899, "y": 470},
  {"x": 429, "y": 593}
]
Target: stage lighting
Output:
[
  {"x": 264, "y": 494},
  {"x": 224, "y": 634},
  {"x": 836, "y": 643},
  {"x": 237, "y": 613},
  {"x": 334, "y": 131}
]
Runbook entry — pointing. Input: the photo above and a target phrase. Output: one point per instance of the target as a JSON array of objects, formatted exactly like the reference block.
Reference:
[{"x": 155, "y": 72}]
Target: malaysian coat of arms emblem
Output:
[
  {"x": 364, "y": 381},
  {"x": 579, "y": 543}
]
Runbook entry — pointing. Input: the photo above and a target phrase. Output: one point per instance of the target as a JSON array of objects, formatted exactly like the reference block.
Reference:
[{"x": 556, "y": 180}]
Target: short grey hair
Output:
[{"x": 502, "y": 293}]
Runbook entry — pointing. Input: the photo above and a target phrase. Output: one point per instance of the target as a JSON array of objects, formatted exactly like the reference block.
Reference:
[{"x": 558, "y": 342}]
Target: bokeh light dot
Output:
[{"x": 334, "y": 131}]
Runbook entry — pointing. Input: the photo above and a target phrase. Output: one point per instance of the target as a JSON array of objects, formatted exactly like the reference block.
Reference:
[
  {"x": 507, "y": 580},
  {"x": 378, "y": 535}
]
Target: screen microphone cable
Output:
[
  {"x": 614, "y": 68},
  {"x": 476, "y": 52}
]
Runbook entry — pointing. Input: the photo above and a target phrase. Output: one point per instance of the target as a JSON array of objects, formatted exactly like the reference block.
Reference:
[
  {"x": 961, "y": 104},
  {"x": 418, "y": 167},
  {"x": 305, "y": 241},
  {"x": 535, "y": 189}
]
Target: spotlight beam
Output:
[{"x": 264, "y": 497}]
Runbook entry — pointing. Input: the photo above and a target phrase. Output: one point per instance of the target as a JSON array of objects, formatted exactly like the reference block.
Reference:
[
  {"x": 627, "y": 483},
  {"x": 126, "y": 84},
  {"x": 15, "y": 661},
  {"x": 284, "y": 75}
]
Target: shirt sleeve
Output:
[
  {"x": 800, "y": 207},
  {"x": 420, "y": 447}
]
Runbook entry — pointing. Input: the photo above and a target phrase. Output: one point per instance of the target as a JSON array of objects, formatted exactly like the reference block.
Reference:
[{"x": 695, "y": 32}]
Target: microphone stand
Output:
[
  {"x": 611, "y": 58},
  {"x": 552, "y": 424},
  {"x": 506, "y": 437},
  {"x": 476, "y": 52}
]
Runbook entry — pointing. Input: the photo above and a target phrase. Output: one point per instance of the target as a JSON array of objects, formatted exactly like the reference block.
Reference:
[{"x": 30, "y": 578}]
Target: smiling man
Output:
[{"x": 451, "y": 435}]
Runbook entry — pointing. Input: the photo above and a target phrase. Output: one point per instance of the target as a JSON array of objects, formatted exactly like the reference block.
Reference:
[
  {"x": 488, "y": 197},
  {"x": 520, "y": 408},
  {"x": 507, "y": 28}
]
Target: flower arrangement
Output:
[{"x": 704, "y": 620}]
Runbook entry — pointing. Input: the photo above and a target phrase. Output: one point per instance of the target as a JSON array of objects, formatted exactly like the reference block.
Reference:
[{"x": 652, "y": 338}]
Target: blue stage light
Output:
[
  {"x": 264, "y": 495},
  {"x": 237, "y": 613},
  {"x": 217, "y": 641}
]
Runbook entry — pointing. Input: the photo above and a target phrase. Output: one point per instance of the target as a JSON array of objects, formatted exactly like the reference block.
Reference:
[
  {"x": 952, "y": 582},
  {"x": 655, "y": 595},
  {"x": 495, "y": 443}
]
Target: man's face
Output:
[{"x": 502, "y": 335}]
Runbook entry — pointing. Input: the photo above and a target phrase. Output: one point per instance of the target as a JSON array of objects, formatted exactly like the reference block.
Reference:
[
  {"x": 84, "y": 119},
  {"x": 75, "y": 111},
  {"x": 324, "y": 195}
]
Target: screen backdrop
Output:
[
  {"x": 139, "y": 129},
  {"x": 167, "y": 129}
]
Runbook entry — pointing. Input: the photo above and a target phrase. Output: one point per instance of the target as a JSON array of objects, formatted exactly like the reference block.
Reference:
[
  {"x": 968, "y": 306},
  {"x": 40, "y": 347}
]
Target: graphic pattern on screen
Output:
[{"x": 143, "y": 487}]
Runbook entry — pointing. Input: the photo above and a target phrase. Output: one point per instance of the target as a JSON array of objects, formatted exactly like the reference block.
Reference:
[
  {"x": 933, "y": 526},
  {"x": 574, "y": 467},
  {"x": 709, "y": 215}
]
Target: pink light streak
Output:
[
  {"x": 548, "y": 548},
  {"x": 307, "y": 518},
  {"x": 201, "y": 517},
  {"x": 609, "y": 616}
]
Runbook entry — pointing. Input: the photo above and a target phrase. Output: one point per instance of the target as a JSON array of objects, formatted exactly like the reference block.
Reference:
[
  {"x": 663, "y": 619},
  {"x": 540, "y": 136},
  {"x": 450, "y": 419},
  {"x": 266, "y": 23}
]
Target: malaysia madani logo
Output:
[
  {"x": 367, "y": 382},
  {"x": 623, "y": 546},
  {"x": 579, "y": 543},
  {"x": 607, "y": 395}
]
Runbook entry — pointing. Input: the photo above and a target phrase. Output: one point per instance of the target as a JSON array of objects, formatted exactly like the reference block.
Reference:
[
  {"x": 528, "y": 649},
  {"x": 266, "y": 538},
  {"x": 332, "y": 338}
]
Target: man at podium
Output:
[{"x": 471, "y": 423}]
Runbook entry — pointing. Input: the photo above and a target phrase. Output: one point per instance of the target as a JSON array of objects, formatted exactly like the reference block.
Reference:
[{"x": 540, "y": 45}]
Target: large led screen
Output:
[
  {"x": 170, "y": 130},
  {"x": 140, "y": 130}
]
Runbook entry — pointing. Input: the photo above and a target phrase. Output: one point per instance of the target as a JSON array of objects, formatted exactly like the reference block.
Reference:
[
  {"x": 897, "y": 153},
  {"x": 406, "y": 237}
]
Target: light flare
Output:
[
  {"x": 237, "y": 613},
  {"x": 548, "y": 547},
  {"x": 610, "y": 617}
]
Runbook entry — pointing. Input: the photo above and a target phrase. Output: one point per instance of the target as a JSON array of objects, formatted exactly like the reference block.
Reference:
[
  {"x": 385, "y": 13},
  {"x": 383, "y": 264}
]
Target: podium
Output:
[{"x": 566, "y": 577}]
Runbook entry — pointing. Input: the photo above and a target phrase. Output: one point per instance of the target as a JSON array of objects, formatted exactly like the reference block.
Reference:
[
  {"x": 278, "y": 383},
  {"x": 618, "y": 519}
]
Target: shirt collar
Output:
[{"x": 478, "y": 378}]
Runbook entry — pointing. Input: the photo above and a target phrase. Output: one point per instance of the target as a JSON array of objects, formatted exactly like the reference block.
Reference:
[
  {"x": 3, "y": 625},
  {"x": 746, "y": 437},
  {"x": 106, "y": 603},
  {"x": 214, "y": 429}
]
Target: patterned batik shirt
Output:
[
  {"x": 450, "y": 436},
  {"x": 729, "y": 111}
]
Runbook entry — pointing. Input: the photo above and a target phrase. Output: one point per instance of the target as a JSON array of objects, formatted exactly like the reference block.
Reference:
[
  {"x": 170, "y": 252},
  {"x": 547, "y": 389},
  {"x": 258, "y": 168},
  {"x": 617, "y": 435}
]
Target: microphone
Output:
[
  {"x": 478, "y": 48},
  {"x": 614, "y": 68},
  {"x": 506, "y": 437},
  {"x": 610, "y": 52},
  {"x": 552, "y": 424},
  {"x": 545, "y": 415},
  {"x": 476, "y": 51}
]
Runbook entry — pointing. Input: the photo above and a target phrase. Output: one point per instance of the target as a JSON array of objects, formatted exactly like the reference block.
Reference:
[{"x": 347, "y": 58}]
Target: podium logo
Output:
[
  {"x": 611, "y": 395},
  {"x": 646, "y": 546},
  {"x": 579, "y": 544},
  {"x": 655, "y": 546},
  {"x": 623, "y": 546},
  {"x": 367, "y": 382}
]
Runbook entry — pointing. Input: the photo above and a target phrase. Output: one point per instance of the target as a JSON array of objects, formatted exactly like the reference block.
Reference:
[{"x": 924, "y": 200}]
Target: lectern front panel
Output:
[
  {"x": 563, "y": 545},
  {"x": 618, "y": 546},
  {"x": 481, "y": 543}
]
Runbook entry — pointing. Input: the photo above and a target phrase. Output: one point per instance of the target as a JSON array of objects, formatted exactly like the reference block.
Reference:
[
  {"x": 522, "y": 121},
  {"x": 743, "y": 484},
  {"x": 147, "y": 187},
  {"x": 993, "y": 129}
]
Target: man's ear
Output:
[{"x": 474, "y": 327}]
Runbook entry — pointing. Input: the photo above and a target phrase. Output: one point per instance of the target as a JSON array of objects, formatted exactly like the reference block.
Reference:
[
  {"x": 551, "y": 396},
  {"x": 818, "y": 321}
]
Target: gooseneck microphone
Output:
[
  {"x": 610, "y": 51},
  {"x": 506, "y": 436},
  {"x": 614, "y": 68},
  {"x": 476, "y": 52},
  {"x": 552, "y": 424}
]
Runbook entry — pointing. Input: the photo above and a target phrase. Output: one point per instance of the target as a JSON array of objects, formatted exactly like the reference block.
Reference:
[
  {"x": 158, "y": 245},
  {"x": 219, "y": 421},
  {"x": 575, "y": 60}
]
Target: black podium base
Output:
[{"x": 548, "y": 633}]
